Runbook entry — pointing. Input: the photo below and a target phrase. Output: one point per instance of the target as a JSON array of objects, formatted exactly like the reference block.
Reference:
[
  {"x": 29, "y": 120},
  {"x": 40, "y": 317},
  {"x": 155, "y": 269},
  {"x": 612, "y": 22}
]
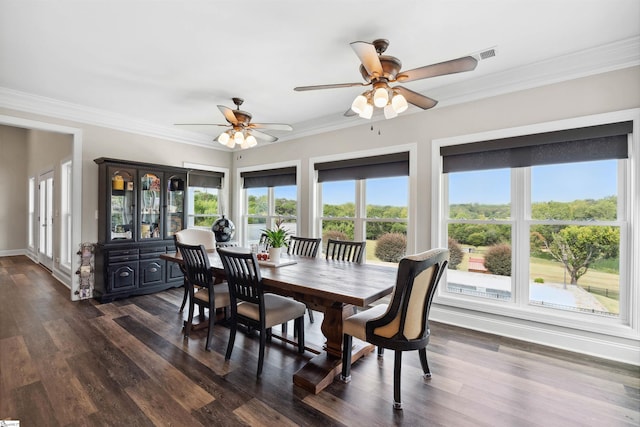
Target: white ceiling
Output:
[{"x": 166, "y": 62}]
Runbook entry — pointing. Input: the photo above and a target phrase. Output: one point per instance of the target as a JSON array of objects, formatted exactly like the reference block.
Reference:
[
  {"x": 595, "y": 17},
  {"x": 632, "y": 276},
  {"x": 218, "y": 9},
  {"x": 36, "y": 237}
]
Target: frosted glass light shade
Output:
[
  {"x": 359, "y": 104},
  {"x": 380, "y": 97},
  {"x": 367, "y": 112},
  {"x": 389, "y": 112},
  {"x": 231, "y": 143},
  {"x": 399, "y": 103},
  {"x": 238, "y": 137},
  {"x": 223, "y": 138},
  {"x": 251, "y": 141}
]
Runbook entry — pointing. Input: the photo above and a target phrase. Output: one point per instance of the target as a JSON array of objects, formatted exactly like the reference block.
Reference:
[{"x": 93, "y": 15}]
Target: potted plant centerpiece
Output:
[{"x": 276, "y": 238}]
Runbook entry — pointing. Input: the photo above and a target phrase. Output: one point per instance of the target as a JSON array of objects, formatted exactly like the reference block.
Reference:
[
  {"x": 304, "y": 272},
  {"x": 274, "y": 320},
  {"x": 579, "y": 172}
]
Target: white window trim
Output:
[
  {"x": 65, "y": 195},
  {"x": 316, "y": 188},
  {"x": 601, "y": 337},
  {"x": 223, "y": 193},
  {"x": 240, "y": 201}
]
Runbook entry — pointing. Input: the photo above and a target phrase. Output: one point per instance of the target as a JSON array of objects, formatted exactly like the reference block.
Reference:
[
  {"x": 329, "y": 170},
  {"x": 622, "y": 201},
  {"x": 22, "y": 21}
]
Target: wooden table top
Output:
[{"x": 328, "y": 280}]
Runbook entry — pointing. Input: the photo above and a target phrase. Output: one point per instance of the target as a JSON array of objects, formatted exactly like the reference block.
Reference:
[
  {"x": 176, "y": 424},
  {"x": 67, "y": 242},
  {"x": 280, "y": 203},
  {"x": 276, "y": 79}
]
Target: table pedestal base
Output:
[{"x": 320, "y": 371}]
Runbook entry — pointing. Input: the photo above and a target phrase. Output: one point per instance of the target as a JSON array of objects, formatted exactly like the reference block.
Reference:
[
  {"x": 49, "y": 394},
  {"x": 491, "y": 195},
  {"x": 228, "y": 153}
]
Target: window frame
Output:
[
  {"x": 627, "y": 324},
  {"x": 223, "y": 192},
  {"x": 360, "y": 218},
  {"x": 66, "y": 214},
  {"x": 271, "y": 217}
]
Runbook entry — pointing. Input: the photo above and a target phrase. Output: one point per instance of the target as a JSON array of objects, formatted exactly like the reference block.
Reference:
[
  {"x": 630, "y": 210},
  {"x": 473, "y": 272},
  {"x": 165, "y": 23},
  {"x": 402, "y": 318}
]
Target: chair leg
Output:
[
  {"x": 232, "y": 338},
  {"x": 425, "y": 364},
  {"x": 212, "y": 320},
  {"x": 184, "y": 297},
  {"x": 311, "y": 319},
  {"x": 299, "y": 326},
  {"x": 380, "y": 352},
  {"x": 397, "y": 367},
  {"x": 284, "y": 328},
  {"x": 189, "y": 323},
  {"x": 263, "y": 344},
  {"x": 347, "y": 340}
]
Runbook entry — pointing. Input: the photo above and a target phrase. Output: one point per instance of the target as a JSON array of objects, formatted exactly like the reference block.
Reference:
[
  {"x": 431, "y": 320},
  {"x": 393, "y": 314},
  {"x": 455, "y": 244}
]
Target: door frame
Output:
[
  {"x": 45, "y": 221},
  {"x": 76, "y": 207}
]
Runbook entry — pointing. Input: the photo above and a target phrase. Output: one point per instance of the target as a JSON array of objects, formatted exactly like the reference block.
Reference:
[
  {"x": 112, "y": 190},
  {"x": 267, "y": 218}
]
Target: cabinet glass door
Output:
[
  {"x": 175, "y": 205},
  {"x": 150, "y": 205},
  {"x": 122, "y": 204}
]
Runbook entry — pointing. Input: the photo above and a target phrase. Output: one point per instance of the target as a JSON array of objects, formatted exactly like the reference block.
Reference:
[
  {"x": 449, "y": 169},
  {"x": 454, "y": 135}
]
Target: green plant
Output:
[
  {"x": 455, "y": 254},
  {"x": 498, "y": 259},
  {"x": 538, "y": 280},
  {"x": 391, "y": 247},
  {"x": 277, "y": 237}
]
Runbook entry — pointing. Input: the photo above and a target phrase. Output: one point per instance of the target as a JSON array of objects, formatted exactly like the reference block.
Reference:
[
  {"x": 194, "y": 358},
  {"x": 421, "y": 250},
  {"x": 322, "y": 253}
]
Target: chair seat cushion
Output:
[
  {"x": 356, "y": 324},
  {"x": 221, "y": 293},
  {"x": 278, "y": 310}
]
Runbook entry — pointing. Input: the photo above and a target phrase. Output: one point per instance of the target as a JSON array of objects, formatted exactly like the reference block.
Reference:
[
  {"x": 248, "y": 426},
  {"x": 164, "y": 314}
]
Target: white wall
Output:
[{"x": 13, "y": 190}]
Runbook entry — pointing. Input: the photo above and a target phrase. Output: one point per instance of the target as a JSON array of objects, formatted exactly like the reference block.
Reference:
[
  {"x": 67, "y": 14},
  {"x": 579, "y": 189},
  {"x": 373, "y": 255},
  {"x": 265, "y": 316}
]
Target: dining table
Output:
[{"x": 330, "y": 286}]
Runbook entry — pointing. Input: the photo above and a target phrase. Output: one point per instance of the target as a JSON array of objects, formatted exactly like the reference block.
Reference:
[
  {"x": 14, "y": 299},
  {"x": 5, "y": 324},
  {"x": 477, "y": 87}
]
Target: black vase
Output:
[{"x": 223, "y": 229}]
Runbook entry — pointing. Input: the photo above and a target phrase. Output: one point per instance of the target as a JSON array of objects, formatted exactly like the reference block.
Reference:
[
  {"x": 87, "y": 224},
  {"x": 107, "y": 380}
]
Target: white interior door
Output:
[{"x": 45, "y": 220}]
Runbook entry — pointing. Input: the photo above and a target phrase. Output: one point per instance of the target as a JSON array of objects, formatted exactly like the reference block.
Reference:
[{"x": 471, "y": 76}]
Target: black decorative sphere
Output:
[{"x": 223, "y": 229}]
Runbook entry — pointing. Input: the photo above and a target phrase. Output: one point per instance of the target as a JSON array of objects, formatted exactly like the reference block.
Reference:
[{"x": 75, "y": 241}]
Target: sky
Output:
[{"x": 560, "y": 183}]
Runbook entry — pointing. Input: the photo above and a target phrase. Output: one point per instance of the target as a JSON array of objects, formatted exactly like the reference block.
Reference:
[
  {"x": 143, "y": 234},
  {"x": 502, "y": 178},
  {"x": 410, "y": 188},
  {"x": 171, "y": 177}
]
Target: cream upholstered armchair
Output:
[
  {"x": 193, "y": 236},
  {"x": 403, "y": 324}
]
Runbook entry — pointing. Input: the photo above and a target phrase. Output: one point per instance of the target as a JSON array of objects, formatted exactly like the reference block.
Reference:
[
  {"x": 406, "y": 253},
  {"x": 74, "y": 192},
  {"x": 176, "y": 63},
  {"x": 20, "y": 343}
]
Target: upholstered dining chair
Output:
[
  {"x": 198, "y": 273},
  {"x": 252, "y": 307},
  {"x": 403, "y": 324},
  {"x": 193, "y": 236},
  {"x": 303, "y": 246},
  {"x": 345, "y": 250}
]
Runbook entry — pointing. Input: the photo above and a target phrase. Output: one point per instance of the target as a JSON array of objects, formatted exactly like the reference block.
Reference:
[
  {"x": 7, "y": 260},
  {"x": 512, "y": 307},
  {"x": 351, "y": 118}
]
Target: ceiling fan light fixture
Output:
[
  {"x": 399, "y": 103},
  {"x": 390, "y": 112},
  {"x": 223, "y": 138},
  {"x": 238, "y": 137},
  {"x": 381, "y": 97},
  {"x": 367, "y": 111},
  {"x": 231, "y": 143},
  {"x": 251, "y": 141},
  {"x": 359, "y": 104}
]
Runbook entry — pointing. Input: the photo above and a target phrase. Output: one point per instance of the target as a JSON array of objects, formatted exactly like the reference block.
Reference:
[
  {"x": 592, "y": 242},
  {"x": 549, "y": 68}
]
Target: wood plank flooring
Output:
[{"x": 66, "y": 363}]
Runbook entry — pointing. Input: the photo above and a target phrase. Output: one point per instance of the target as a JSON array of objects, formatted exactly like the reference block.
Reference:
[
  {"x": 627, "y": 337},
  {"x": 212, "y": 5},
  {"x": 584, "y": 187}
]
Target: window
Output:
[
  {"x": 366, "y": 199},
  {"x": 269, "y": 196},
  {"x": 65, "y": 215},
  {"x": 540, "y": 222},
  {"x": 204, "y": 195}
]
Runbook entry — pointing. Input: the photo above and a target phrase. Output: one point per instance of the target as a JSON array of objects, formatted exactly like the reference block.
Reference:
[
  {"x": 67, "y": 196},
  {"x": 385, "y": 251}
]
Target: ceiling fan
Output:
[
  {"x": 242, "y": 132},
  {"x": 380, "y": 70}
]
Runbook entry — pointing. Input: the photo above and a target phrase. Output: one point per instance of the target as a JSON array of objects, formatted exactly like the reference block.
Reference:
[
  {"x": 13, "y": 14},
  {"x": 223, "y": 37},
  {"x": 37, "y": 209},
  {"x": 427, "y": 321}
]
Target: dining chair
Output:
[
  {"x": 345, "y": 250},
  {"x": 403, "y": 324},
  {"x": 254, "y": 308},
  {"x": 193, "y": 236},
  {"x": 303, "y": 246},
  {"x": 199, "y": 273}
]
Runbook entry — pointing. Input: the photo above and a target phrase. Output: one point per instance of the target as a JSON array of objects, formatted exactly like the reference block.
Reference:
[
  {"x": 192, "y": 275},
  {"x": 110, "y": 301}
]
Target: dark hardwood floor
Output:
[{"x": 66, "y": 363}]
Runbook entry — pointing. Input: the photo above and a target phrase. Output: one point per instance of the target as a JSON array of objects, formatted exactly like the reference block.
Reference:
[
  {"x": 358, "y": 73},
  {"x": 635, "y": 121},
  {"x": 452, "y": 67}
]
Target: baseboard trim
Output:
[{"x": 606, "y": 347}]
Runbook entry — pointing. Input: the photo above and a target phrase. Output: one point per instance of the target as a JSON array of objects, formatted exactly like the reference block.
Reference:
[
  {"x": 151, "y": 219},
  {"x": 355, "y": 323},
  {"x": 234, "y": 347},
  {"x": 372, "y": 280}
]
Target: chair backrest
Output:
[
  {"x": 405, "y": 324},
  {"x": 196, "y": 264},
  {"x": 196, "y": 236},
  {"x": 345, "y": 250},
  {"x": 264, "y": 242},
  {"x": 303, "y": 246},
  {"x": 243, "y": 276}
]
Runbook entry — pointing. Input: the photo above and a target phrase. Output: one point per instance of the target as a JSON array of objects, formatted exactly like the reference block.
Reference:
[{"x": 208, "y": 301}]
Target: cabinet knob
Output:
[
  {"x": 153, "y": 270},
  {"x": 124, "y": 274}
]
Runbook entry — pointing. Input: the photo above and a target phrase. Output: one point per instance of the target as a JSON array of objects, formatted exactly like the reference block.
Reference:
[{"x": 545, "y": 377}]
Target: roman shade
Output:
[
  {"x": 269, "y": 178},
  {"x": 205, "y": 179},
  {"x": 608, "y": 141},
  {"x": 395, "y": 164}
]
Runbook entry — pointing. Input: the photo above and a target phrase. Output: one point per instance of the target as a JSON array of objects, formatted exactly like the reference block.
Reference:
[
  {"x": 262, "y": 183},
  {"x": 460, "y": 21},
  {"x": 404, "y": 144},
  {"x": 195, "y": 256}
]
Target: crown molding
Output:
[{"x": 610, "y": 57}]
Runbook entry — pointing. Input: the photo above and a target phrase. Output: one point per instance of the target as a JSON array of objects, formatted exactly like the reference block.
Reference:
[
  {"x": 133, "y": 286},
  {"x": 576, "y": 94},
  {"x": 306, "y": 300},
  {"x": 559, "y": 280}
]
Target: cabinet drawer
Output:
[
  {"x": 122, "y": 276},
  {"x": 122, "y": 252},
  {"x": 152, "y": 252},
  {"x": 152, "y": 272}
]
